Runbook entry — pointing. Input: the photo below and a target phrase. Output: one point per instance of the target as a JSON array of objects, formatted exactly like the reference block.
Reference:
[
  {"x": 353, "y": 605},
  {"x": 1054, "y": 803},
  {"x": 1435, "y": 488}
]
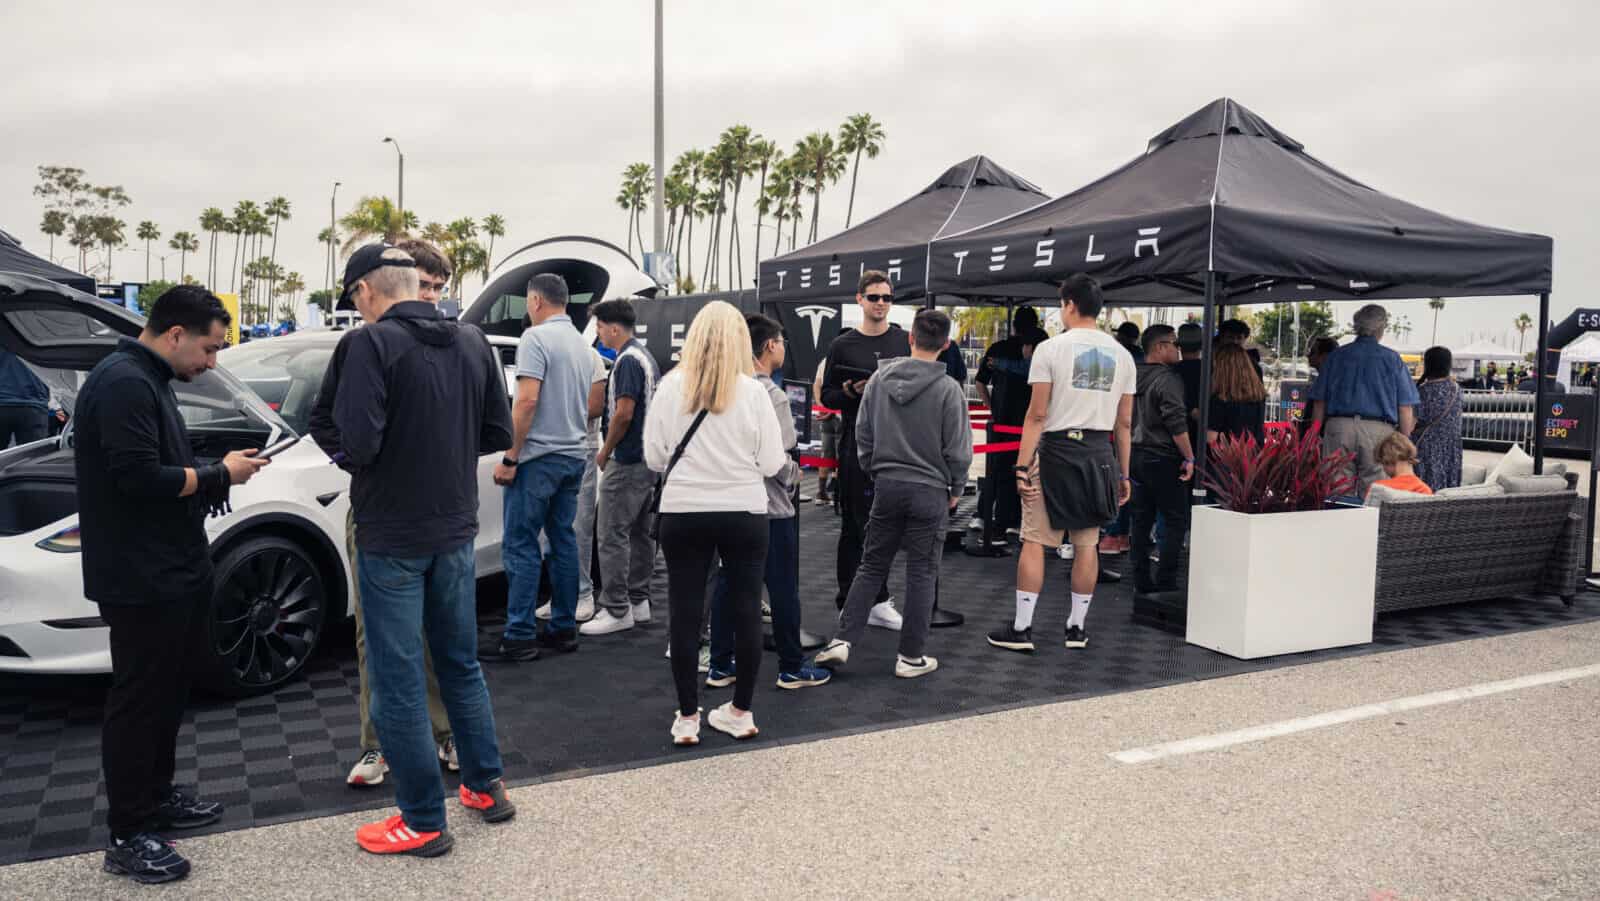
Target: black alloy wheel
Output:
[{"x": 266, "y": 618}]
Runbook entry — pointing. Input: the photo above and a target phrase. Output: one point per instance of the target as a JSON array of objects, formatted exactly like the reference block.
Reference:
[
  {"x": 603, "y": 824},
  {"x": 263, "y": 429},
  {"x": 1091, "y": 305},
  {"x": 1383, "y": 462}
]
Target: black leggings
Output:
[{"x": 689, "y": 541}]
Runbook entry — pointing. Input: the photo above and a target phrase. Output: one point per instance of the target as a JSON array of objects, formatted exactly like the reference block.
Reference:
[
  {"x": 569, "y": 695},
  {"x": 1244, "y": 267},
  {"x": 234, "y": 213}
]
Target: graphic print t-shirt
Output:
[{"x": 1089, "y": 373}]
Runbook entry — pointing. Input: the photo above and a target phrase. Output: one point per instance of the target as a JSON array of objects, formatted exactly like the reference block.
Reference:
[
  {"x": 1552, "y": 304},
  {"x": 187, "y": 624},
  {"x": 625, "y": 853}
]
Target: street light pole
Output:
[
  {"x": 400, "y": 200},
  {"x": 333, "y": 234},
  {"x": 660, "y": 194}
]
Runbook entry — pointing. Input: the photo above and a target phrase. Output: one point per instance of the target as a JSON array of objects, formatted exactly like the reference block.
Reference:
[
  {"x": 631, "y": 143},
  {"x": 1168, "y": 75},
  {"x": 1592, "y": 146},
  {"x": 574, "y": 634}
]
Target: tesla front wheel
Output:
[{"x": 266, "y": 618}]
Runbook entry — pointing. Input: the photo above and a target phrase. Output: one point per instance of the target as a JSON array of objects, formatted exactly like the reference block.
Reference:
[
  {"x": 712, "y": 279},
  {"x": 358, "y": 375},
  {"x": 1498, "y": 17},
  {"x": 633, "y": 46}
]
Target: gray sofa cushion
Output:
[
  {"x": 1383, "y": 494},
  {"x": 1473, "y": 491},
  {"x": 1473, "y": 473},
  {"x": 1545, "y": 484}
]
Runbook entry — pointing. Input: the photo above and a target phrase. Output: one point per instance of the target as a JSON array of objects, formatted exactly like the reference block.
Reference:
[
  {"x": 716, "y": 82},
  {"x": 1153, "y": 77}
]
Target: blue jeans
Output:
[
  {"x": 542, "y": 498},
  {"x": 405, "y": 599},
  {"x": 783, "y": 590}
]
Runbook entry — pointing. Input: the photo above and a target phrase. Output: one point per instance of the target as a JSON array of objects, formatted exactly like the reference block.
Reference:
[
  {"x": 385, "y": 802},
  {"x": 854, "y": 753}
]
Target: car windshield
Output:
[{"x": 285, "y": 372}]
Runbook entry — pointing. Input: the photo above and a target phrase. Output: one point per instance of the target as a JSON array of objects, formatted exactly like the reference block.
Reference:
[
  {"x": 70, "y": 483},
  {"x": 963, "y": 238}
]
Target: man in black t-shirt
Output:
[
  {"x": 852, "y": 359},
  {"x": 1003, "y": 385}
]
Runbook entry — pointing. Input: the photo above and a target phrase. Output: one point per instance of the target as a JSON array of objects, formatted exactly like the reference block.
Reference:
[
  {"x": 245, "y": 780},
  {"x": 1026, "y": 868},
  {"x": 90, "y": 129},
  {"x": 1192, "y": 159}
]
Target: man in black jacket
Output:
[
  {"x": 852, "y": 359},
  {"x": 1003, "y": 385},
  {"x": 1162, "y": 460},
  {"x": 419, "y": 400},
  {"x": 142, "y": 503}
]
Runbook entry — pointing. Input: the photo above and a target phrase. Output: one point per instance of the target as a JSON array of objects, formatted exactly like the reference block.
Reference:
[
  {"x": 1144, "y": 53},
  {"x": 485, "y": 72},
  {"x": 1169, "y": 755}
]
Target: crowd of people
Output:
[{"x": 597, "y": 445}]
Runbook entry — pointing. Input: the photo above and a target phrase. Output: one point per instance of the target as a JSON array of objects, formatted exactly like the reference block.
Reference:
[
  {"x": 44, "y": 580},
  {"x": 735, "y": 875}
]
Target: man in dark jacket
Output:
[
  {"x": 852, "y": 359},
  {"x": 914, "y": 439},
  {"x": 1162, "y": 460},
  {"x": 419, "y": 400},
  {"x": 1002, "y": 382},
  {"x": 24, "y": 403},
  {"x": 142, "y": 503}
]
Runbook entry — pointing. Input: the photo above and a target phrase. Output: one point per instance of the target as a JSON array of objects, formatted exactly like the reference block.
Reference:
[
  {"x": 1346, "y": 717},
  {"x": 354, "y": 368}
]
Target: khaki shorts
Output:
[{"x": 1036, "y": 528}]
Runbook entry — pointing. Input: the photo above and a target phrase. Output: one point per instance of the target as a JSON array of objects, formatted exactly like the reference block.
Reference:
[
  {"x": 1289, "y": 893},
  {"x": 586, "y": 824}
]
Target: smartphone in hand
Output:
[{"x": 276, "y": 449}]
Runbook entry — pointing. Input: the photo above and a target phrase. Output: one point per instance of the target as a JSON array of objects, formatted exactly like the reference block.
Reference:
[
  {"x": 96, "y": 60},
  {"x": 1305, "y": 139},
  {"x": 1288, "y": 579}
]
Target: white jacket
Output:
[{"x": 727, "y": 461}]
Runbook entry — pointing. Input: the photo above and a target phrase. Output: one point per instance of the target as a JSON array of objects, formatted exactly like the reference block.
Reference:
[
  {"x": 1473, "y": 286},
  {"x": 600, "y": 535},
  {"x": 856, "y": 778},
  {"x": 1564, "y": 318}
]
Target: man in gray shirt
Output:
[{"x": 542, "y": 473}]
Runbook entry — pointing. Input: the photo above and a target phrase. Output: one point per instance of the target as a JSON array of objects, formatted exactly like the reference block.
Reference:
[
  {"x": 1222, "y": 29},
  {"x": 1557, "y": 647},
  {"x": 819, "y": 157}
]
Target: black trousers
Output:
[
  {"x": 151, "y": 647},
  {"x": 999, "y": 505},
  {"x": 1157, "y": 490},
  {"x": 854, "y": 494},
  {"x": 690, "y": 541},
  {"x": 22, "y": 424}
]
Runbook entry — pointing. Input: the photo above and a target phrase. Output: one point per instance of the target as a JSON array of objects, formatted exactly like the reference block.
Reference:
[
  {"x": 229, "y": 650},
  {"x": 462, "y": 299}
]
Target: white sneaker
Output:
[
  {"x": 585, "y": 609},
  {"x": 705, "y": 659},
  {"x": 686, "y": 730},
  {"x": 605, "y": 623},
  {"x": 369, "y": 770},
  {"x": 447, "y": 755},
  {"x": 543, "y": 612},
  {"x": 975, "y": 523},
  {"x": 668, "y": 655},
  {"x": 766, "y": 611},
  {"x": 1064, "y": 552},
  {"x": 837, "y": 653},
  {"x": 884, "y": 616},
  {"x": 910, "y": 669},
  {"x": 723, "y": 719},
  {"x": 641, "y": 612}
]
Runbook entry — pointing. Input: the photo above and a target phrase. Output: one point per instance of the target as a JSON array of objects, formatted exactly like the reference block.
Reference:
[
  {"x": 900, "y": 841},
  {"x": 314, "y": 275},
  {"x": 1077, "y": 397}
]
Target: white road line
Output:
[{"x": 1347, "y": 715}]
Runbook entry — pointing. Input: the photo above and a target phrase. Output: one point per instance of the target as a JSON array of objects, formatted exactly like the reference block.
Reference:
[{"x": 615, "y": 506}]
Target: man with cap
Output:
[
  {"x": 1362, "y": 395},
  {"x": 433, "y": 276},
  {"x": 1002, "y": 382},
  {"x": 419, "y": 400}
]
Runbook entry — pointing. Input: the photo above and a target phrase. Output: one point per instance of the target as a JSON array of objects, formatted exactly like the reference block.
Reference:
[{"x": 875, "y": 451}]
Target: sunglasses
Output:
[{"x": 878, "y": 298}]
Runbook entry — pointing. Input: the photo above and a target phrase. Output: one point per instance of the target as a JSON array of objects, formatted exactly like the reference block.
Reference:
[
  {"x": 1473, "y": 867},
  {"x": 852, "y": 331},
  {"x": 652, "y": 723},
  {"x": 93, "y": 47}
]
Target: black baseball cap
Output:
[
  {"x": 367, "y": 260},
  {"x": 1190, "y": 336}
]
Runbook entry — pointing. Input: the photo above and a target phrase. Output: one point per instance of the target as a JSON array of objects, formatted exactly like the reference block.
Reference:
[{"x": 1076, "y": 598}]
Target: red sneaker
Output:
[
  {"x": 393, "y": 836},
  {"x": 492, "y": 804}
]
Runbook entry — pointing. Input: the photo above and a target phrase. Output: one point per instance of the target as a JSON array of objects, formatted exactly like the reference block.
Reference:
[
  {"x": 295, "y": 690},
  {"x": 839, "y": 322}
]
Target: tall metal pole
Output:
[
  {"x": 400, "y": 198},
  {"x": 1539, "y": 393},
  {"x": 1209, "y": 326},
  {"x": 659, "y": 238},
  {"x": 333, "y": 235}
]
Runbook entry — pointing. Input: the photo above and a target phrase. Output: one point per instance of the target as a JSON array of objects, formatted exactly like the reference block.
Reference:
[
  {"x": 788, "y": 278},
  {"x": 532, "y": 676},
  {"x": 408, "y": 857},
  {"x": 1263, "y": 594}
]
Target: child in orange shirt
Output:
[{"x": 1396, "y": 454}]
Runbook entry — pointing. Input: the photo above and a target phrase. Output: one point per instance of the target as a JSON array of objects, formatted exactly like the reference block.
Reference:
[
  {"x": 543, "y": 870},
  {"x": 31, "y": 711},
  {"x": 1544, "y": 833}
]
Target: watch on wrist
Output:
[{"x": 508, "y": 461}]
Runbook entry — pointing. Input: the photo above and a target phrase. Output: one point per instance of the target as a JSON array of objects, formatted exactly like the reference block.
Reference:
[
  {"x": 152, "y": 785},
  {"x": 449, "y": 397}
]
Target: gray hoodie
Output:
[{"x": 913, "y": 426}]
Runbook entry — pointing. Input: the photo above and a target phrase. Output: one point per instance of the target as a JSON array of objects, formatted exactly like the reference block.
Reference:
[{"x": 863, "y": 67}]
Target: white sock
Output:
[
  {"x": 1025, "y": 602},
  {"x": 1080, "y": 609}
]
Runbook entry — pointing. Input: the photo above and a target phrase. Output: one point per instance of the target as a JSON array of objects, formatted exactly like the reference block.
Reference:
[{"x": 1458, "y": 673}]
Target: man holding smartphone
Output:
[
  {"x": 852, "y": 359},
  {"x": 142, "y": 504}
]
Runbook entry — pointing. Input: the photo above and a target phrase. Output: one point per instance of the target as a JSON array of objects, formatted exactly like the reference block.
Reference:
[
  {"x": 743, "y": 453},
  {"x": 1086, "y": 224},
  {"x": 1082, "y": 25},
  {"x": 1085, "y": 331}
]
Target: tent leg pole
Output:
[
  {"x": 1208, "y": 328},
  {"x": 942, "y": 619},
  {"x": 1539, "y": 393}
]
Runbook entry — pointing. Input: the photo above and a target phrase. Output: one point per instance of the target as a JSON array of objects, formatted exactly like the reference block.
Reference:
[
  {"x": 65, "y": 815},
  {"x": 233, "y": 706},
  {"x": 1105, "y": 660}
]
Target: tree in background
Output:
[
  {"x": 494, "y": 225},
  {"x": 1435, "y": 304},
  {"x": 83, "y": 236},
  {"x": 859, "y": 134},
  {"x": 689, "y": 168},
  {"x": 460, "y": 246},
  {"x": 764, "y": 155},
  {"x": 719, "y": 168},
  {"x": 212, "y": 220},
  {"x": 184, "y": 243},
  {"x": 739, "y": 143},
  {"x": 108, "y": 230},
  {"x": 322, "y": 299},
  {"x": 290, "y": 288},
  {"x": 982, "y": 323},
  {"x": 1522, "y": 323},
  {"x": 54, "y": 225},
  {"x": 375, "y": 218},
  {"x": 636, "y": 186},
  {"x": 147, "y": 232},
  {"x": 277, "y": 209},
  {"x": 797, "y": 186},
  {"x": 150, "y": 293},
  {"x": 824, "y": 165},
  {"x": 329, "y": 239},
  {"x": 1316, "y": 321},
  {"x": 239, "y": 225}
]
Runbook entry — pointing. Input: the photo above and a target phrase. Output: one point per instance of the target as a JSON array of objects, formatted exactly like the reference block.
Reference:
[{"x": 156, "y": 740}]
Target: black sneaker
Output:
[
  {"x": 563, "y": 641},
  {"x": 147, "y": 858},
  {"x": 1012, "y": 640},
  {"x": 181, "y": 810},
  {"x": 511, "y": 650},
  {"x": 1076, "y": 637}
]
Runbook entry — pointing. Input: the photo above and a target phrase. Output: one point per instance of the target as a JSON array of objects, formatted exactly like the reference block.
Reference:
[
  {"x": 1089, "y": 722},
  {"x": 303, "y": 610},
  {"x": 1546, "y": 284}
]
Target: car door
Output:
[{"x": 491, "y": 497}]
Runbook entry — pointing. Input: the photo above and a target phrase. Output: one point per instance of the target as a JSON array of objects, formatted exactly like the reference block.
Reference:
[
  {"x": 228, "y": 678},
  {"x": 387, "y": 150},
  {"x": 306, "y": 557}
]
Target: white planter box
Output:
[{"x": 1281, "y": 583}]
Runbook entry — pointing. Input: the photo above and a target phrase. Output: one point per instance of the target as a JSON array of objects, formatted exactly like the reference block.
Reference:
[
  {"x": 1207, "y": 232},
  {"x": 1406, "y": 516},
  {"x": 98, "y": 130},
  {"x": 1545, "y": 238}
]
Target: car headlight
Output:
[{"x": 66, "y": 541}]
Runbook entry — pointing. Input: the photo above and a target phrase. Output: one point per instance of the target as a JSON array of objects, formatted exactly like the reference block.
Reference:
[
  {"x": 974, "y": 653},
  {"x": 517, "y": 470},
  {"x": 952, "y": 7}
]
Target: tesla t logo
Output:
[{"x": 815, "y": 315}]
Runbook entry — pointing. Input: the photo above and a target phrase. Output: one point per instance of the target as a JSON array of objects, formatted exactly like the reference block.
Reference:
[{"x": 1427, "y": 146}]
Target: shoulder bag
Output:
[{"x": 661, "y": 485}]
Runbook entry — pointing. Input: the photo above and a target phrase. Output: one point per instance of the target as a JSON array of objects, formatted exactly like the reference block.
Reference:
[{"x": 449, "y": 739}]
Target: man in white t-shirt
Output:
[{"x": 1072, "y": 470}]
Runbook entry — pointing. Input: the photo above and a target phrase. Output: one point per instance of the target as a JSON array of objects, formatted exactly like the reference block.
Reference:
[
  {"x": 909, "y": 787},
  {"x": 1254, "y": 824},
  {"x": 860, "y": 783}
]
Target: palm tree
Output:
[
  {"x": 775, "y": 200},
  {"x": 278, "y": 210},
  {"x": 374, "y": 218},
  {"x": 328, "y": 238},
  {"x": 53, "y": 225},
  {"x": 109, "y": 232},
  {"x": 690, "y": 167},
  {"x": 184, "y": 243},
  {"x": 243, "y": 212},
  {"x": 83, "y": 237},
  {"x": 767, "y": 157},
  {"x": 1435, "y": 304},
  {"x": 147, "y": 232},
  {"x": 212, "y": 220},
  {"x": 738, "y": 141},
  {"x": 824, "y": 165},
  {"x": 494, "y": 225},
  {"x": 1522, "y": 323},
  {"x": 636, "y": 181},
  {"x": 292, "y": 285},
  {"x": 435, "y": 233},
  {"x": 797, "y": 185},
  {"x": 718, "y": 166},
  {"x": 859, "y": 134}
]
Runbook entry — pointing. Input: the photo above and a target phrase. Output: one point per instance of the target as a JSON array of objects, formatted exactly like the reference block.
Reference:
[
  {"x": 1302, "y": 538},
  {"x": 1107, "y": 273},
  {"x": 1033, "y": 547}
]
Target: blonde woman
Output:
[{"x": 716, "y": 420}]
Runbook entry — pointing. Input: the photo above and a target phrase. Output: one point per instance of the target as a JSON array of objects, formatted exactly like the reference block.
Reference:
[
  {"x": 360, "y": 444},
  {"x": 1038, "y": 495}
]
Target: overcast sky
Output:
[{"x": 1485, "y": 111}]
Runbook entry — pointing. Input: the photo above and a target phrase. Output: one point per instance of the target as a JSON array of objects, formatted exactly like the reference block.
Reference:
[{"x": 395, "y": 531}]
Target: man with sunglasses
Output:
[
  {"x": 852, "y": 359},
  {"x": 1162, "y": 461}
]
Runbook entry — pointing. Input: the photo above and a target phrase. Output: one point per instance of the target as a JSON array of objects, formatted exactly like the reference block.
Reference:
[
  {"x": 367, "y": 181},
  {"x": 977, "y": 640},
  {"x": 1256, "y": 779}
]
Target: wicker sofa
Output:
[{"x": 1528, "y": 540}]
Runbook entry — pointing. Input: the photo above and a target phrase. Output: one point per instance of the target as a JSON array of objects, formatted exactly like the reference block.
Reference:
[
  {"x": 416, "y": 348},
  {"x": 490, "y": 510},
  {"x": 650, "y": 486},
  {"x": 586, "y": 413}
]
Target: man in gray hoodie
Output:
[
  {"x": 913, "y": 437},
  {"x": 1162, "y": 460}
]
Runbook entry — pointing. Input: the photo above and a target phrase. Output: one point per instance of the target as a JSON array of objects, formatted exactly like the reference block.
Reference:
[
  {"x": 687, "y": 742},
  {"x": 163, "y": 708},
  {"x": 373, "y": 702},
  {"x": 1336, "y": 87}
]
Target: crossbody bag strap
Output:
[{"x": 683, "y": 445}]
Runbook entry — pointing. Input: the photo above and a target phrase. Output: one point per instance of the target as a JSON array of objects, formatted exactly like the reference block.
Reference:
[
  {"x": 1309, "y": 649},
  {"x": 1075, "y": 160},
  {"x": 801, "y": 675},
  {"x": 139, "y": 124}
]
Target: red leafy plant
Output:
[{"x": 1288, "y": 472}]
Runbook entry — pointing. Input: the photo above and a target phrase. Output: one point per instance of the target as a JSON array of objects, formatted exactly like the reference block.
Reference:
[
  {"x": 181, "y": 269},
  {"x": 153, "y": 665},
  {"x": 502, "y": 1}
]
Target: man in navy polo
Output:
[{"x": 1362, "y": 395}]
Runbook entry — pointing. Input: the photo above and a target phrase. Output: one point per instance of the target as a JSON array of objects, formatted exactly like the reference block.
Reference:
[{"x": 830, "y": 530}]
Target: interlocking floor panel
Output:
[{"x": 609, "y": 705}]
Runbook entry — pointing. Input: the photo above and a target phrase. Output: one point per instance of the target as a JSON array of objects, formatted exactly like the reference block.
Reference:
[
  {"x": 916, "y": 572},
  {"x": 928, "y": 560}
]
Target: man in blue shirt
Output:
[
  {"x": 627, "y": 552},
  {"x": 24, "y": 403},
  {"x": 1362, "y": 395}
]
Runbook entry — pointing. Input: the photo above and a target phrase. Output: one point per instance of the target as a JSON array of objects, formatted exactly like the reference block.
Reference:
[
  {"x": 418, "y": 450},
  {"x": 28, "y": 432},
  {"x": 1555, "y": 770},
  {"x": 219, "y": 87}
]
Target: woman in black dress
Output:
[
  {"x": 1238, "y": 398},
  {"x": 1438, "y": 430}
]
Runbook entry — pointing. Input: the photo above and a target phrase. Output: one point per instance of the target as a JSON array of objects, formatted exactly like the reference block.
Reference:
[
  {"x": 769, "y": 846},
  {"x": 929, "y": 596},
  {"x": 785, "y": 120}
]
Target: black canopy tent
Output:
[
  {"x": 1224, "y": 208},
  {"x": 13, "y": 258},
  {"x": 970, "y": 193}
]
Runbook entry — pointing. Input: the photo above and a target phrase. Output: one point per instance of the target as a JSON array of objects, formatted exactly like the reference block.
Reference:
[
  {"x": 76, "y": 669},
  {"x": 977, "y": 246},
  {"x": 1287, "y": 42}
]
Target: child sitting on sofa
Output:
[{"x": 1397, "y": 455}]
